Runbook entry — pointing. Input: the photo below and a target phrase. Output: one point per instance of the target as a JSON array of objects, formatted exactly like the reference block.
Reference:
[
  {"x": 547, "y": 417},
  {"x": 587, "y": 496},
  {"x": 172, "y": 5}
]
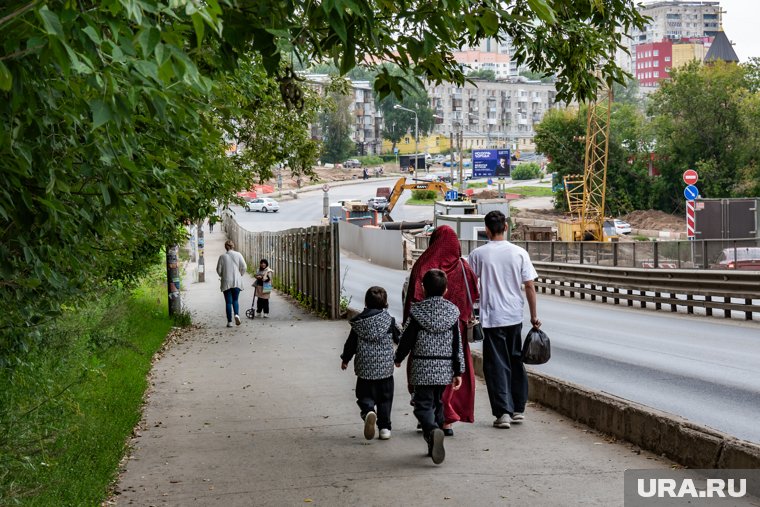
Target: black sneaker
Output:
[{"x": 437, "y": 452}]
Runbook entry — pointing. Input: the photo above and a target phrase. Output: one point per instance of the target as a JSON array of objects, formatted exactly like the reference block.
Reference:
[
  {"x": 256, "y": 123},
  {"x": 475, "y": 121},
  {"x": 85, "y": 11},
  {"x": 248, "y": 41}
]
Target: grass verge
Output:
[
  {"x": 531, "y": 191},
  {"x": 68, "y": 406}
]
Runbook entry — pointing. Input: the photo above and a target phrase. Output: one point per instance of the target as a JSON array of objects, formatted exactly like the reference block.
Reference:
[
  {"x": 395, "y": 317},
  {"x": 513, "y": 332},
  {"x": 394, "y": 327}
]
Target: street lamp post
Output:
[{"x": 416, "y": 128}]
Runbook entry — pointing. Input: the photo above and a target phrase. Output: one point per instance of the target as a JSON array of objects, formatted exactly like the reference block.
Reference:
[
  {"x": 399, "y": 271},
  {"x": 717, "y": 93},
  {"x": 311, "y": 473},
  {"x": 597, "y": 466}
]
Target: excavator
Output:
[
  {"x": 401, "y": 185},
  {"x": 585, "y": 193}
]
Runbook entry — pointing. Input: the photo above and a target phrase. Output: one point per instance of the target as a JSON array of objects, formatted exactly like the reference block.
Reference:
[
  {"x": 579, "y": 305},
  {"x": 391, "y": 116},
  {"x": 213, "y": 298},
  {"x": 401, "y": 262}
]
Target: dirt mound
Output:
[{"x": 655, "y": 220}]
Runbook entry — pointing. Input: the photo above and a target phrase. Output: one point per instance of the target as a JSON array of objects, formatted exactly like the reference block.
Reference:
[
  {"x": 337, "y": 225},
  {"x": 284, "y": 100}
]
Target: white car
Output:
[
  {"x": 264, "y": 204},
  {"x": 622, "y": 227}
]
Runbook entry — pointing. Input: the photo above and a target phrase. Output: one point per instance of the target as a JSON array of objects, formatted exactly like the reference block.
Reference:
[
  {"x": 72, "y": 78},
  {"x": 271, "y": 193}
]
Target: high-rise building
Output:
[{"x": 671, "y": 20}]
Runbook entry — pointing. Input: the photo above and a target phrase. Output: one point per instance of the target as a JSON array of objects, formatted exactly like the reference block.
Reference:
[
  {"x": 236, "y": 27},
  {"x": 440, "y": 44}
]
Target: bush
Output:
[
  {"x": 529, "y": 171},
  {"x": 424, "y": 195},
  {"x": 370, "y": 160}
]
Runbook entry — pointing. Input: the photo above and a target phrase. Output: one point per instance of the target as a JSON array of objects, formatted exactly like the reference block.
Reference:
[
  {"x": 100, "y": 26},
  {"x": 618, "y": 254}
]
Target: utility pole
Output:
[{"x": 461, "y": 162}]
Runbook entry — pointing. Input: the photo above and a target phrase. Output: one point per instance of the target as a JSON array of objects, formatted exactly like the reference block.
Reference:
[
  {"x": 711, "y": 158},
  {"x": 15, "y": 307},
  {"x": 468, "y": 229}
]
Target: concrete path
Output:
[{"x": 261, "y": 414}]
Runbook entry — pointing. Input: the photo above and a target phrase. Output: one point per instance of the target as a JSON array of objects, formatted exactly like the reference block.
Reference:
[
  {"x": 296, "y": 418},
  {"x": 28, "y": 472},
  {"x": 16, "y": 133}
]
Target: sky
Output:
[{"x": 740, "y": 22}]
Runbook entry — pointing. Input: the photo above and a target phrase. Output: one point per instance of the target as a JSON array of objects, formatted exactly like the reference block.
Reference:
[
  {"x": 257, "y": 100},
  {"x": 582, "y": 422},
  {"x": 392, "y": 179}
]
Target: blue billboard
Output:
[{"x": 490, "y": 163}]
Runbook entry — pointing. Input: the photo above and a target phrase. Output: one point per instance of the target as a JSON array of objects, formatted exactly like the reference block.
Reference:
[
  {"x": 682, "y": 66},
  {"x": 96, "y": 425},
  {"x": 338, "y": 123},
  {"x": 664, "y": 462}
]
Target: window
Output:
[
  {"x": 656, "y": 73},
  {"x": 656, "y": 63},
  {"x": 656, "y": 52},
  {"x": 667, "y": 58},
  {"x": 406, "y": 140}
]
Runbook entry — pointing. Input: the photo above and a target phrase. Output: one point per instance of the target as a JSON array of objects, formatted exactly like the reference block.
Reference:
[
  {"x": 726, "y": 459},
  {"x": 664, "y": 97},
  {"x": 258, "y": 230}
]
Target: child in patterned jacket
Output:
[
  {"x": 373, "y": 333},
  {"x": 431, "y": 334}
]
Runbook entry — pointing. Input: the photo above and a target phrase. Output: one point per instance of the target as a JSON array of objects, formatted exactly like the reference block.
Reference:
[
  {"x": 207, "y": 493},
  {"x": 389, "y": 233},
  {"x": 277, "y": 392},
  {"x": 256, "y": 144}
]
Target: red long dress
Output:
[{"x": 445, "y": 253}]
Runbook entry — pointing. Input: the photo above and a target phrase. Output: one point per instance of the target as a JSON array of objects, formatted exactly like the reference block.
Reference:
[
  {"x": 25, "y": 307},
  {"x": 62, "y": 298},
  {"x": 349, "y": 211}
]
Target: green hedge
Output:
[
  {"x": 370, "y": 160},
  {"x": 529, "y": 171}
]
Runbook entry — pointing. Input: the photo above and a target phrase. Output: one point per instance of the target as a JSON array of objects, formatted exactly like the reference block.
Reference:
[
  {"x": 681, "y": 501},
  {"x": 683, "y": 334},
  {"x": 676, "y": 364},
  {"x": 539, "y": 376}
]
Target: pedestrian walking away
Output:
[
  {"x": 263, "y": 286},
  {"x": 503, "y": 268},
  {"x": 370, "y": 343},
  {"x": 445, "y": 253},
  {"x": 431, "y": 336},
  {"x": 231, "y": 268}
]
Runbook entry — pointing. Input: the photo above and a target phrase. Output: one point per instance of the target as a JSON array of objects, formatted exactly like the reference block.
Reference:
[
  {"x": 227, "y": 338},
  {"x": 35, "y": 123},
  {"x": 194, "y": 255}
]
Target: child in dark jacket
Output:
[
  {"x": 431, "y": 334},
  {"x": 373, "y": 333}
]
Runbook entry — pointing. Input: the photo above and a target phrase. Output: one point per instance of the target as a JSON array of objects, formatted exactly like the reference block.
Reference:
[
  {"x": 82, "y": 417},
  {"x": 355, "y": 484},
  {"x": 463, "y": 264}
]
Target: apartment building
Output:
[
  {"x": 492, "y": 114},
  {"x": 671, "y": 20}
]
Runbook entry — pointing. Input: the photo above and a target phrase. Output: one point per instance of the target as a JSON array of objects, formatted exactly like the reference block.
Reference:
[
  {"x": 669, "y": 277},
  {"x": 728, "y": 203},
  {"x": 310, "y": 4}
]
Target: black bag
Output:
[
  {"x": 536, "y": 347},
  {"x": 474, "y": 331}
]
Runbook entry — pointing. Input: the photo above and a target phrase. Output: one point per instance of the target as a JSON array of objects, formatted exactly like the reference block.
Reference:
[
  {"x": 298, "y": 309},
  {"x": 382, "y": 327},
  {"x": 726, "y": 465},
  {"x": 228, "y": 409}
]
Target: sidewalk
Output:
[{"x": 261, "y": 414}]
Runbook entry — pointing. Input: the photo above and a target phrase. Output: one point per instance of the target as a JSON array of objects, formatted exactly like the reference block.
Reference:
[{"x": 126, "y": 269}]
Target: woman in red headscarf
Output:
[{"x": 445, "y": 253}]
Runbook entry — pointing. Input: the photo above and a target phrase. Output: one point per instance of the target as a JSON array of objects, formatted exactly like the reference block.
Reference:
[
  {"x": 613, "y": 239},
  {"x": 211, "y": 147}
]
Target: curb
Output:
[{"x": 677, "y": 438}]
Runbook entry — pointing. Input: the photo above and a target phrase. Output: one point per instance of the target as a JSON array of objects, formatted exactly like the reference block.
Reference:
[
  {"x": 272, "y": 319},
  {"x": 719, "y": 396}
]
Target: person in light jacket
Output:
[{"x": 231, "y": 268}]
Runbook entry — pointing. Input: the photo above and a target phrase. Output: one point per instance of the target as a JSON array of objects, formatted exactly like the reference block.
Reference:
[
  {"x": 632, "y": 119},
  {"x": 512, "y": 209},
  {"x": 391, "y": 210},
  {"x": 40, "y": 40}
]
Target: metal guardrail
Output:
[
  {"x": 306, "y": 262},
  {"x": 710, "y": 290}
]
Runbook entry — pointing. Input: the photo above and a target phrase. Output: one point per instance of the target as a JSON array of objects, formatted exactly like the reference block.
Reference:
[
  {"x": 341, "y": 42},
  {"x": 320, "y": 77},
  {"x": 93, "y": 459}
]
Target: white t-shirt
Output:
[{"x": 502, "y": 269}]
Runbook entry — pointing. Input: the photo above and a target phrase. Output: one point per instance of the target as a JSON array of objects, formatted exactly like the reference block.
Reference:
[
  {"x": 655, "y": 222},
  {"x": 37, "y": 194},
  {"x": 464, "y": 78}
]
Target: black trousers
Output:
[
  {"x": 428, "y": 407},
  {"x": 503, "y": 369},
  {"x": 376, "y": 396},
  {"x": 262, "y": 304}
]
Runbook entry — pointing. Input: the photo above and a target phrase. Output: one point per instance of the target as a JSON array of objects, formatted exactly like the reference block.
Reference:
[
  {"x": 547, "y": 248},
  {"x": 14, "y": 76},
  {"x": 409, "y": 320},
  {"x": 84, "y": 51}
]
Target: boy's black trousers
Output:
[
  {"x": 376, "y": 396},
  {"x": 428, "y": 407}
]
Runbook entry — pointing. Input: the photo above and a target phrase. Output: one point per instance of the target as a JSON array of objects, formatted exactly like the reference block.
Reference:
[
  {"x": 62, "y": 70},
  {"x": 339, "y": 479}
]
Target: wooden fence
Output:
[{"x": 305, "y": 262}]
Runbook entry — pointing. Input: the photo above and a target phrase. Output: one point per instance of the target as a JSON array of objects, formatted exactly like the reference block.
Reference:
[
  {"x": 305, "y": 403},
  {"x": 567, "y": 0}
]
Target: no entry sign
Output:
[{"x": 690, "y": 177}]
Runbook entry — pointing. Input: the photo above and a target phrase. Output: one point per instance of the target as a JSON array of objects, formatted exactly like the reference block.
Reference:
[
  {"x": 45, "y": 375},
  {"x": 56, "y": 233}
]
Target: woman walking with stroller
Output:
[{"x": 263, "y": 287}]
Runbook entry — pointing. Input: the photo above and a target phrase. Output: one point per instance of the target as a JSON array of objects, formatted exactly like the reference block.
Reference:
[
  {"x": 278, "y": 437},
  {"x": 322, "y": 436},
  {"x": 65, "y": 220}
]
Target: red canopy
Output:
[{"x": 249, "y": 193}]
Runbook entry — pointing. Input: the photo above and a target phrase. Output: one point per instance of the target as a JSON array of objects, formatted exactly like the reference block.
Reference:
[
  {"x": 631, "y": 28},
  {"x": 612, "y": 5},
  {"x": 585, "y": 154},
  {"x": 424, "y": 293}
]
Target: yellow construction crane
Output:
[{"x": 586, "y": 193}]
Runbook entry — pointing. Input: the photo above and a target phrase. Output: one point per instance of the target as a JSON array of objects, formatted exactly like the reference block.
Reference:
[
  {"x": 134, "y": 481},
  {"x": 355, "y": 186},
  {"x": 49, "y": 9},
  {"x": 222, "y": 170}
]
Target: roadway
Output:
[{"x": 703, "y": 369}]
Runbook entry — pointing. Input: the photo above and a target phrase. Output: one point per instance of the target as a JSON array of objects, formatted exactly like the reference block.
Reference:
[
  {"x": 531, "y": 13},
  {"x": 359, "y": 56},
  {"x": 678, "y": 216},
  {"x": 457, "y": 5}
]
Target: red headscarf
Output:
[{"x": 444, "y": 253}]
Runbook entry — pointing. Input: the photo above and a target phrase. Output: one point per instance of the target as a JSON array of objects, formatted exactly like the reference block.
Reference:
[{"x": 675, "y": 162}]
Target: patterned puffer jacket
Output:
[
  {"x": 374, "y": 348},
  {"x": 433, "y": 351}
]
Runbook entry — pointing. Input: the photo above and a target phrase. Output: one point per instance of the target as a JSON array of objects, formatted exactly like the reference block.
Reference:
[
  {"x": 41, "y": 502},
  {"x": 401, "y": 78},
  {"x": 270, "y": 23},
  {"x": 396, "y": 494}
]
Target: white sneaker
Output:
[
  {"x": 502, "y": 422},
  {"x": 266, "y": 315},
  {"x": 369, "y": 425},
  {"x": 518, "y": 417},
  {"x": 237, "y": 320},
  {"x": 385, "y": 434},
  {"x": 229, "y": 324}
]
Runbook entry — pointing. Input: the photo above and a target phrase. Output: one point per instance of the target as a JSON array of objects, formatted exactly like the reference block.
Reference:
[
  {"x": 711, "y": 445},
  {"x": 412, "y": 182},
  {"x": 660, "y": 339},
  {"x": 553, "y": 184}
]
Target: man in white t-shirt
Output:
[{"x": 502, "y": 269}]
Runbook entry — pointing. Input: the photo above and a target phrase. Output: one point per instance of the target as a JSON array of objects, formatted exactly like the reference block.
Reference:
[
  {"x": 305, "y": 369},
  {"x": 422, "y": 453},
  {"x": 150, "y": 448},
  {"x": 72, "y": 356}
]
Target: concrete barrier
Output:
[{"x": 666, "y": 434}]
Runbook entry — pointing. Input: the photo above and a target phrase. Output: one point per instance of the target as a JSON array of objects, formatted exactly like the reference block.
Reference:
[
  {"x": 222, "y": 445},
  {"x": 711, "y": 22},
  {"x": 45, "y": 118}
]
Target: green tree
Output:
[
  {"x": 486, "y": 74},
  {"x": 560, "y": 136},
  {"x": 398, "y": 122},
  {"x": 337, "y": 120},
  {"x": 699, "y": 124}
]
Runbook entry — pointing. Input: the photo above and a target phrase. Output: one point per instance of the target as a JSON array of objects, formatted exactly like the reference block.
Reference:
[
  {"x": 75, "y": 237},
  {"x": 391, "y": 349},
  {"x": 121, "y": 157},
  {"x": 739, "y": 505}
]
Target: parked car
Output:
[
  {"x": 621, "y": 226},
  {"x": 439, "y": 159},
  {"x": 351, "y": 162},
  {"x": 264, "y": 204},
  {"x": 378, "y": 203},
  {"x": 741, "y": 257}
]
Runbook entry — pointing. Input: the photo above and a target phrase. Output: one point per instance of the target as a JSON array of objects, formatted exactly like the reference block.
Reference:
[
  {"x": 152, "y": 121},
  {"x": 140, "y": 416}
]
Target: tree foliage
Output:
[
  {"x": 398, "y": 122},
  {"x": 487, "y": 74},
  {"x": 704, "y": 120},
  {"x": 337, "y": 120},
  {"x": 560, "y": 136}
]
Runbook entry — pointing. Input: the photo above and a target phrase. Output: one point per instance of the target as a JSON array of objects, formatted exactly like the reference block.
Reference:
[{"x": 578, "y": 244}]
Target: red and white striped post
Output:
[{"x": 690, "y": 219}]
